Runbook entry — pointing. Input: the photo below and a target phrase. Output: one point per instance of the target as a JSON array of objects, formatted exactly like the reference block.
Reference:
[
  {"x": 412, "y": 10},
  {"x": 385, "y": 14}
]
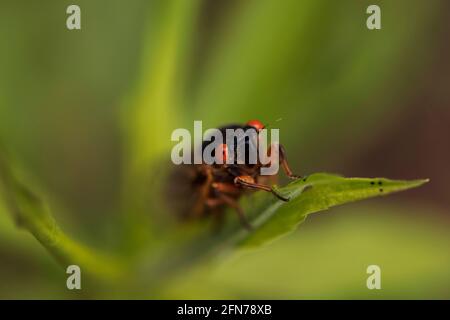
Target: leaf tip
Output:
[{"x": 419, "y": 182}]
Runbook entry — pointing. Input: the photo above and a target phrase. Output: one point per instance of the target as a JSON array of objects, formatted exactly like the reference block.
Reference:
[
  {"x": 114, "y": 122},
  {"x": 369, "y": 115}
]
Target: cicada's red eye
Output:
[
  {"x": 221, "y": 153},
  {"x": 256, "y": 124}
]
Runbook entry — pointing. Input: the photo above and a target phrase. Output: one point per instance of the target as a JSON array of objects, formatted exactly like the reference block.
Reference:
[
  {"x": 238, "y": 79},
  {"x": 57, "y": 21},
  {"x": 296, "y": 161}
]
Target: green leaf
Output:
[
  {"x": 33, "y": 214},
  {"x": 315, "y": 193},
  {"x": 270, "y": 218}
]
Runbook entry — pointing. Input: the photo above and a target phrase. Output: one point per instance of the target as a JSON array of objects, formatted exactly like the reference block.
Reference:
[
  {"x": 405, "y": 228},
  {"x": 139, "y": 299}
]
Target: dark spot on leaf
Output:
[
  {"x": 304, "y": 179},
  {"x": 381, "y": 189},
  {"x": 372, "y": 183},
  {"x": 380, "y": 183}
]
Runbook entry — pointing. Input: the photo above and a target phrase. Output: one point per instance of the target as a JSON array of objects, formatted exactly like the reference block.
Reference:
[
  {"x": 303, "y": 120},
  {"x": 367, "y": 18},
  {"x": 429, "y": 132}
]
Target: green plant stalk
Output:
[
  {"x": 32, "y": 214},
  {"x": 153, "y": 109}
]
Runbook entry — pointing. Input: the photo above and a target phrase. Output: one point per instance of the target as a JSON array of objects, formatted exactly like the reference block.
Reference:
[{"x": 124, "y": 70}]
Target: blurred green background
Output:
[{"x": 88, "y": 114}]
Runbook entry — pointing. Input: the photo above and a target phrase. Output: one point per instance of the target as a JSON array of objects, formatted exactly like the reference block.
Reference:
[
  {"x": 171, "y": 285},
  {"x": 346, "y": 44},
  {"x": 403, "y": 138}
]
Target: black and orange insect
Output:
[{"x": 199, "y": 190}]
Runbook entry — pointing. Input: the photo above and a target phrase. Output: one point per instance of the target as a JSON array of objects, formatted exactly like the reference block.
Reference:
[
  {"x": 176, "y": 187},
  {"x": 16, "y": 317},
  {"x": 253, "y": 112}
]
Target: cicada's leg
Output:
[
  {"x": 223, "y": 199},
  {"x": 227, "y": 188},
  {"x": 283, "y": 160},
  {"x": 249, "y": 182},
  {"x": 235, "y": 205}
]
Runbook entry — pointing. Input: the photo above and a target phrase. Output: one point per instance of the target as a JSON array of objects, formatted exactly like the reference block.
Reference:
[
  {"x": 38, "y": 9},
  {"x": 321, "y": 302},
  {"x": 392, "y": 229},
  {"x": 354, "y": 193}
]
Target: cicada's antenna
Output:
[{"x": 269, "y": 125}]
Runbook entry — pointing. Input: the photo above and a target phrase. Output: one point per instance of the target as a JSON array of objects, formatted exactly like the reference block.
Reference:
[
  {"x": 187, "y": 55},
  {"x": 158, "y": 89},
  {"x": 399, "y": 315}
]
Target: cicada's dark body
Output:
[{"x": 198, "y": 190}]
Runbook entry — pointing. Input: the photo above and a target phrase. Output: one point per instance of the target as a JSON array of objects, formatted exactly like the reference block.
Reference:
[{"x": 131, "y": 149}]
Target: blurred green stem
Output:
[
  {"x": 33, "y": 214},
  {"x": 153, "y": 110}
]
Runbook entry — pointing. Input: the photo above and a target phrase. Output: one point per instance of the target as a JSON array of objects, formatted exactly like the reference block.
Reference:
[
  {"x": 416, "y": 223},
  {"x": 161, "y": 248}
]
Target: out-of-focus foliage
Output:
[
  {"x": 30, "y": 212},
  {"x": 89, "y": 114},
  {"x": 328, "y": 258},
  {"x": 270, "y": 219}
]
